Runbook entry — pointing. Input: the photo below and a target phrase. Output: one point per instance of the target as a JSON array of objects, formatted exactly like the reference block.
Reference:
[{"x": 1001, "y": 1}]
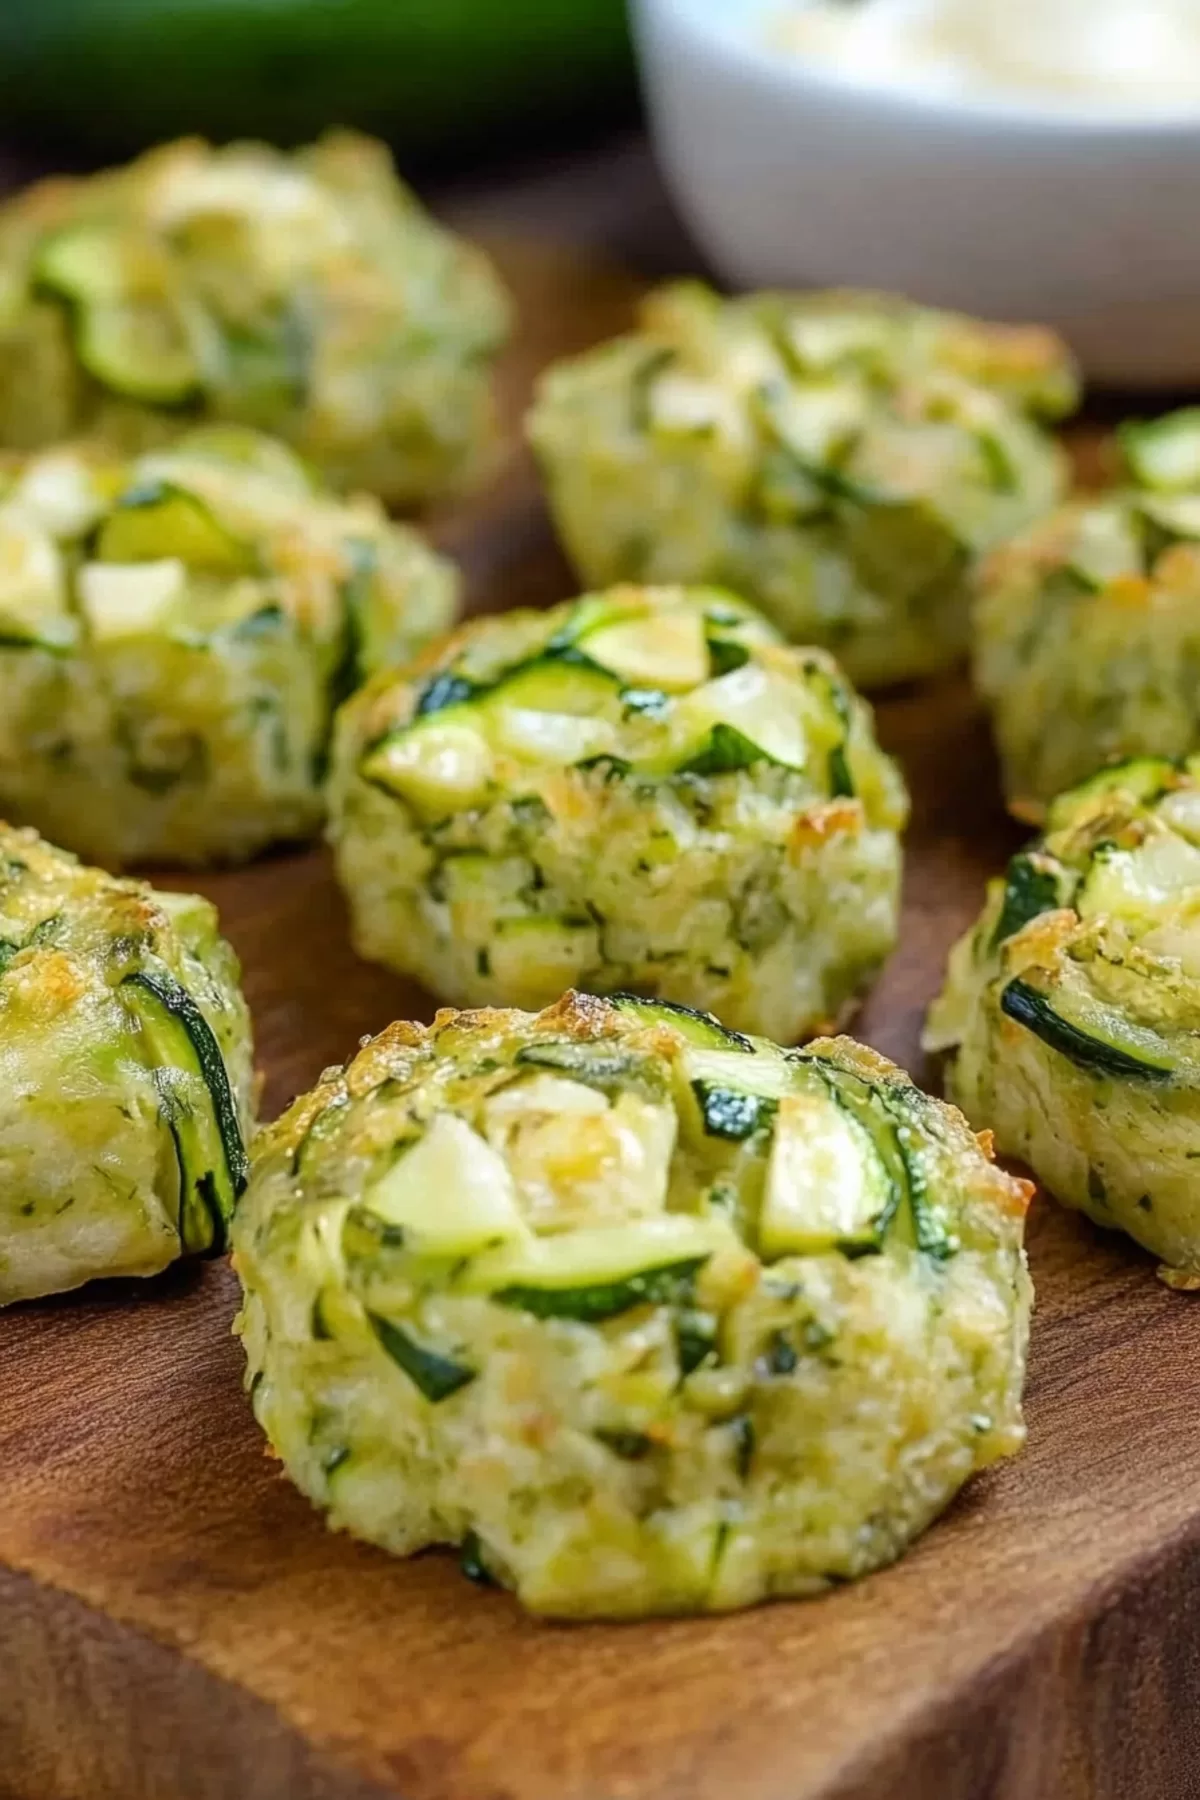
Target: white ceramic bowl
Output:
[{"x": 789, "y": 176}]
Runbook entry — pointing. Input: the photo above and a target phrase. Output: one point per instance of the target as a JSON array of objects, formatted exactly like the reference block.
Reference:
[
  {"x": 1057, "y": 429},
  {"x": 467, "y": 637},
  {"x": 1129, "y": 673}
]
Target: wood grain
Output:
[{"x": 176, "y": 1624}]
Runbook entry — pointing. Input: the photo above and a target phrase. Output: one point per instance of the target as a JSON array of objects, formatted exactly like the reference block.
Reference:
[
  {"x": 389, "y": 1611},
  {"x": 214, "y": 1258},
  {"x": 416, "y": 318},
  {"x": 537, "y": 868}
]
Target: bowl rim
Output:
[{"x": 714, "y": 23}]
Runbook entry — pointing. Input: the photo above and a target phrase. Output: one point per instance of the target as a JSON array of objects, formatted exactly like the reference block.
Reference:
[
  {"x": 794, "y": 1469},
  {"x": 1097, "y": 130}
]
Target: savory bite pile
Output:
[
  {"x": 644, "y": 1315},
  {"x": 1087, "y": 627},
  {"x": 838, "y": 458},
  {"x": 306, "y": 294},
  {"x": 639, "y": 789},
  {"x": 175, "y": 632},
  {"x": 1071, "y": 1011},
  {"x": 125, "y": 1074}
]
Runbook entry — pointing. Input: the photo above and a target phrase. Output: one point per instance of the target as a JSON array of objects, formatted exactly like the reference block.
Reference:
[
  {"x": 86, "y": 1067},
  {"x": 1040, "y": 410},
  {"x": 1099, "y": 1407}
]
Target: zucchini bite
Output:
[
  {"x": 1071, "y": 1012},
  {"x": 838, "y": 458},
  {"x": 306, "y": 294},
  {"x": 125, "y": 1074},
  {"x": 175, "y": 632},
  {"x": 640, "y": 789},
  {"x": 1087, "y": 627},
  {"x": 644, "y": 1315}
]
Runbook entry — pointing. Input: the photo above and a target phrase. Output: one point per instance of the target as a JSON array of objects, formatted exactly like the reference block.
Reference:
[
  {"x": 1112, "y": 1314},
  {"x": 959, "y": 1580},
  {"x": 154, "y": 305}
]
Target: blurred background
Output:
[
  {"x": 440, "y": 79},
  {"x": 1021, "y": 159},
  {"x": 524, "y": 100}
]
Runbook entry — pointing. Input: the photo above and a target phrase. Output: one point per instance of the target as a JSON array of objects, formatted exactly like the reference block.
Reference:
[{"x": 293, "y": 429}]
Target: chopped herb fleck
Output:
[
  {"x": 471, "y": 1562},
  {"x": 742, "y": 1431},
  {"x": 695, "y": 1339},
  {"x": 781, "y": 1357},
  {"x": 630, "y": 1446}
]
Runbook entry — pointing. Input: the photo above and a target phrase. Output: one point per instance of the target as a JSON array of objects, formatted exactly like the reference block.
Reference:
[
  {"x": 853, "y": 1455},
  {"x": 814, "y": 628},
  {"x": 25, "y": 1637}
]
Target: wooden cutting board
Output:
[{"x": 176, "y": 1624}]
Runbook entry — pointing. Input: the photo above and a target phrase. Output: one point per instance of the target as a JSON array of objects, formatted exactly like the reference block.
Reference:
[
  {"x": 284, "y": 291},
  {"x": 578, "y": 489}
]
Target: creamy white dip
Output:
[{"x": 1132, "y": 56}]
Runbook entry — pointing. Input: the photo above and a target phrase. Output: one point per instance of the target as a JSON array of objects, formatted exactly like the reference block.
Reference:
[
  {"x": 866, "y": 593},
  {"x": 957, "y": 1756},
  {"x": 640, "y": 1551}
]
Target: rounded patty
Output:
[
  {"x": 838, "y": 458},
  {"x": 125, "y": 1074},
  {"x": 1071, "y": 1010},
  {"x": 305, "y": 293},
  {"x": 644, "y": 1315},
  {"x": 1087, "y": 627},
  {"x": 175, "y": 632},
  {"x": 640, "y": 789}
]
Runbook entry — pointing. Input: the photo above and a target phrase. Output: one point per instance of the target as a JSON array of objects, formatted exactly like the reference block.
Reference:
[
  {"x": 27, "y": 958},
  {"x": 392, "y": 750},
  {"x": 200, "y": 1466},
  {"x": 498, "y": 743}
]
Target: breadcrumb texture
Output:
[
  {"x": 175, "y": 632},
  {"x": 839, "y": 458},
  {"x": 643, "y": 1315},
  {"x": 1087, "y": 640},
  {"x": 111, "y": 1160},
  {"x": 305, "y": 293},
  {"x": 640, "y": 789},
  {"x": 1071, "y": 1010}
]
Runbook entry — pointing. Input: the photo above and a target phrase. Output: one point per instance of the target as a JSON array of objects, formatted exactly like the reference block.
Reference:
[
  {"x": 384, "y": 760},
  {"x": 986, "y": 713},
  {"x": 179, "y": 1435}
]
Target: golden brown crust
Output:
[{"x": 546, "y": 1292}]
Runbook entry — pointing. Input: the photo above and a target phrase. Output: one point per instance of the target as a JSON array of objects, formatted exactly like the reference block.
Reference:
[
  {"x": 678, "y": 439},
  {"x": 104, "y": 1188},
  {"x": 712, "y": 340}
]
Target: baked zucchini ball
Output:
[
  {"x": 175, "y": 632},
  {"x": 1087, "y": 627},
  {"x": 640, "y": 789},
  {"x": 838, "y": 458},
  {"x": 645, "y": 1315},
  {"x": 306, "y": 294},
  {"x": 126, "y": 1078},
  {"x": 1071, "y": 1012}
]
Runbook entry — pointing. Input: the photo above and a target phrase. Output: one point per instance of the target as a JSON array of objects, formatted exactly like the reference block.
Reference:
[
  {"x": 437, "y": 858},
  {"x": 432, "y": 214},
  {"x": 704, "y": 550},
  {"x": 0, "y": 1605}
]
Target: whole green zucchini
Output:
[{"x": 111, "y": 76}]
